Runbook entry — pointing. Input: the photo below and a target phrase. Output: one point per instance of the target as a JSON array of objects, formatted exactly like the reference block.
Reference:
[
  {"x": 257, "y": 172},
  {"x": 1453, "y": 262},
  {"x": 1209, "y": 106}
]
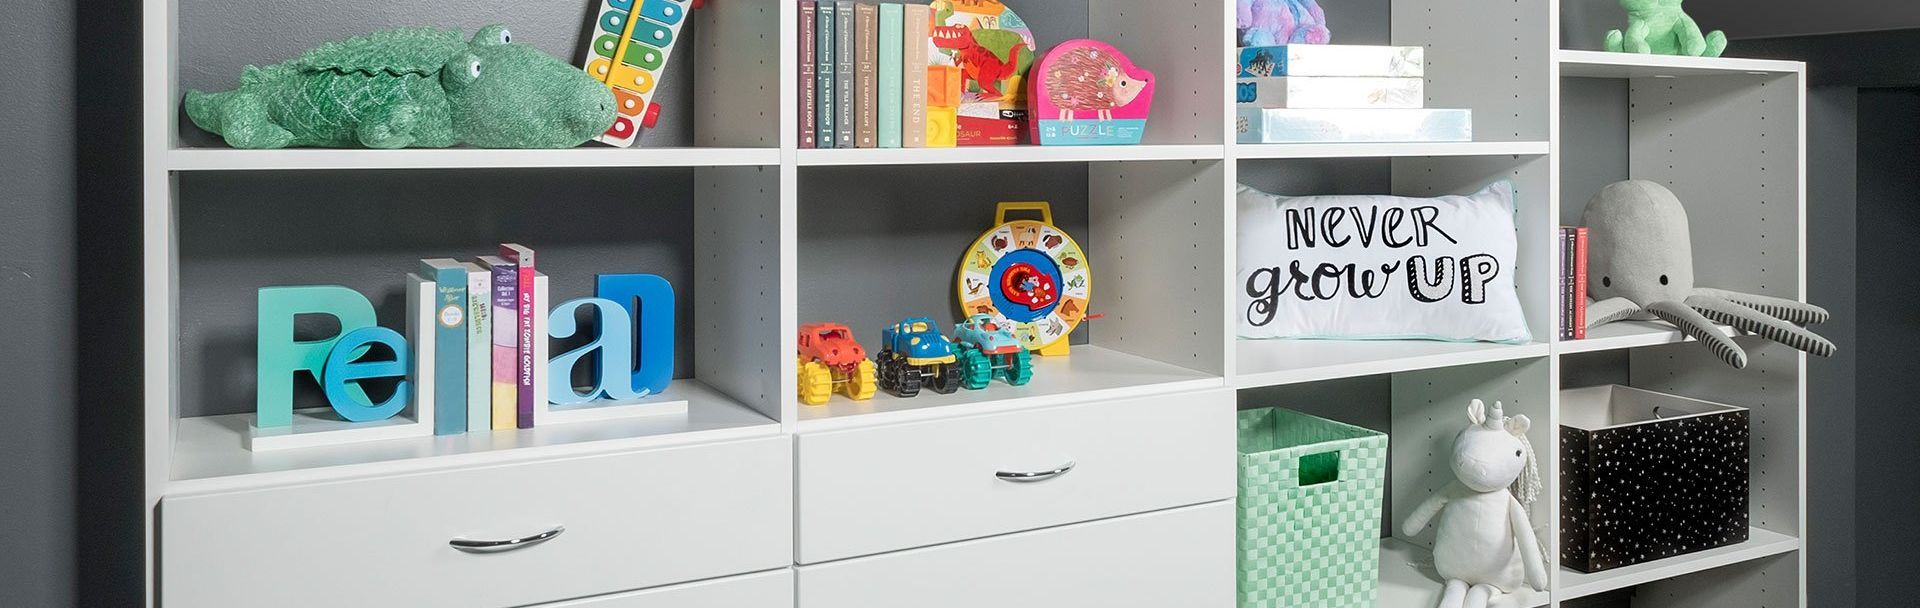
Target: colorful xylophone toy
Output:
[{"x": 632, "y": 43}]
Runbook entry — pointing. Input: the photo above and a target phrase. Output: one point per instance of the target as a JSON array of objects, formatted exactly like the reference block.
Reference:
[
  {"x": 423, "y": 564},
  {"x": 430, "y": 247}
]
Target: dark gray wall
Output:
[
  {"x": 69, "y": 354},
  {"x": 1888, "y": 219},
  {"x": 1584, "y": 23}
]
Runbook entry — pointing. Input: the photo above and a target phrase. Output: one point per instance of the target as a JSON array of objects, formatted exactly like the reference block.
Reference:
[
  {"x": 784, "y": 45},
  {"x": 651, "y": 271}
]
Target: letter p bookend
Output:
[{"x": 361, "y": 351}]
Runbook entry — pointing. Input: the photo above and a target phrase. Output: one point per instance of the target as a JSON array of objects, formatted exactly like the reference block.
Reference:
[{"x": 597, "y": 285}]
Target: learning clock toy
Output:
[{"x": 1030, "y": 276}]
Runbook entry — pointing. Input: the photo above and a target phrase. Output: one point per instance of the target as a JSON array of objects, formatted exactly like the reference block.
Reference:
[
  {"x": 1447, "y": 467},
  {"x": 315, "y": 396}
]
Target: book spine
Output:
[
  {"x": 866, "y": 85},
  {"x": 523, "y": 261},
  {"x": 823, "y": 74},
  {"x": 506, "y": 351},
  {"x": 1580, "y": 283},
  {"x": 449, "y": 302},
  {"x": 479, "y": 359},
  {"x": 891, "y": 30},
  {"x": 913, "y": 103},
  {"x": 843, "y": 53},
  {"x": 1565, "y": 247},
  {"x": 809, "y": 105}
]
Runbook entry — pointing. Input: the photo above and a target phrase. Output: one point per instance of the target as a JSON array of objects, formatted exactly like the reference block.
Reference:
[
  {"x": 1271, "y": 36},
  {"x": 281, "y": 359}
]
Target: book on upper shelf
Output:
[
  {"x": 1328, "y": 92},
  {"x": 826, "y": 81},
  {"x": 844, "y": 52},
  {"x": 1287, "y": 125},
  {"x": 890, "y": 75},
  {"x": 1563, "y": 294},
  {"x": 866, "y": 75},
  {"x": 1580, "y": 282},
  {"x": 809, "y": 85},
  {"x": 916, "y": 26},
  {"x": 1331, "y": 60}
]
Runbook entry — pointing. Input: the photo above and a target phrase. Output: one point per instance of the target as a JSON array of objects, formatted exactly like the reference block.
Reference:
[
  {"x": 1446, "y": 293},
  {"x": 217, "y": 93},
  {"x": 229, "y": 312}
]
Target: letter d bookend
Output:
[
  {"x": 647, "y": 302},
  {"x": 324, "y": 426}
]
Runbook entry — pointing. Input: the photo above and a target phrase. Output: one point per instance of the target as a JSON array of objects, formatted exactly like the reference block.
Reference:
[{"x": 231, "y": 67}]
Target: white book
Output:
[
  {"x": 479, "y": 348},
  {"x": 1331, "y": 92},
  {"x": 1292, "y": 126},
  {"x": 1331, "y": 60}
]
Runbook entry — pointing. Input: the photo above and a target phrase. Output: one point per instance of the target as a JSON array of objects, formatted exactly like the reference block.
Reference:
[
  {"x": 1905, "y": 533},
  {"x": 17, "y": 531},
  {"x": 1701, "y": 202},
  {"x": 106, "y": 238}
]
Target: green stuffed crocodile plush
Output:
[
  {"x": 411, "y": 87},
  {"x": 1660, "y": 27}
]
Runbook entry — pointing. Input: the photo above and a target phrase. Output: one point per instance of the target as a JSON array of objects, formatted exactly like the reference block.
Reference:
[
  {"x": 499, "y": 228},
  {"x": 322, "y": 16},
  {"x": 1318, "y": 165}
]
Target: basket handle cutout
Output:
[{"x": 1316, "y": 469}]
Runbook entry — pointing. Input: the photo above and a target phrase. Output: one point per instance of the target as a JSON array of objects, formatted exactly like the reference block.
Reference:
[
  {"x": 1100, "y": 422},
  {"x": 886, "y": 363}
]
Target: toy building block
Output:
[{"x": 831, "y": 361}]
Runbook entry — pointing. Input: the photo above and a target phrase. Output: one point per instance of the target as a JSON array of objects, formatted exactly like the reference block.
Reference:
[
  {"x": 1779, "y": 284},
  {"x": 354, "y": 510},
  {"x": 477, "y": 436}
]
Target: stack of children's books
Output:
[
  {"x": 483, "y": 365},
  {"x": 1308, "y": 93}
]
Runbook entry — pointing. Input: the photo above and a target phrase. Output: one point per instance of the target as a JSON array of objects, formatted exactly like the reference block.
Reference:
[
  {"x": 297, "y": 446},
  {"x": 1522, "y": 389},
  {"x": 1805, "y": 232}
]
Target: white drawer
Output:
[
  {"x": 633, "y": 520},
  {"x": 867, "y": 491},
  {"x": 772, "y": 589},
  {"x": 1183, "y": 557}
]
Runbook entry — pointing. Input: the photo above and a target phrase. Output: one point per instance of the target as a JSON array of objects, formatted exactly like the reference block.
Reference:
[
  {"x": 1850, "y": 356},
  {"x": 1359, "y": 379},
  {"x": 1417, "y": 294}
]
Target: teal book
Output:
[
  {"x": 823, "y": 75},
  {"x": 892, "y": 24},
  {"x": 449, "y": 344}
]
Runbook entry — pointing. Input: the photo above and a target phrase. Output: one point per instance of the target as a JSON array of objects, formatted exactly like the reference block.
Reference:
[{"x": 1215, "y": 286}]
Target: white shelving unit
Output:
[{"x": 782, "y": 235}]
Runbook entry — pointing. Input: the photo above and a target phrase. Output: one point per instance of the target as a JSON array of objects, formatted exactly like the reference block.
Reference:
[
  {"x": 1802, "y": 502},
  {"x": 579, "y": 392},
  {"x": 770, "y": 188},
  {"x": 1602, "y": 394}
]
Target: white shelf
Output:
[
  {"x": 1090, "y": 373},
  {"x": 1276, "y": 362},
  {"x": 817, "y": 157},
  {"x": 1390, "y": 150},
  {"x": 1628, "y": 334},
  {"x": 1602, "y": 64},
  {"x": 210, "y": 454},
  {"x": 295, "y": 159},
  {"x": 1760, "y": 543},
  {"x": 1407, "y": 580}
]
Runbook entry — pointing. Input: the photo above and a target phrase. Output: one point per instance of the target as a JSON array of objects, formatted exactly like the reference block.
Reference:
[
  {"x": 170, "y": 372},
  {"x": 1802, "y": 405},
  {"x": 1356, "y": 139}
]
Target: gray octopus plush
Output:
[{"x": 1640, "y": 266}]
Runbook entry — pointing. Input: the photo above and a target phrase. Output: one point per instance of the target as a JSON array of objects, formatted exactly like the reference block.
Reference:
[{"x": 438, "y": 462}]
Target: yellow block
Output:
[{"x": 943, "y": 127}]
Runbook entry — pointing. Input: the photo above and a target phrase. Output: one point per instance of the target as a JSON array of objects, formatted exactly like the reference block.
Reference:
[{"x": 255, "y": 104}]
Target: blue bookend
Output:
[
  {"x": 279, "y": 356},
  {"x": 649, "y": 300}
]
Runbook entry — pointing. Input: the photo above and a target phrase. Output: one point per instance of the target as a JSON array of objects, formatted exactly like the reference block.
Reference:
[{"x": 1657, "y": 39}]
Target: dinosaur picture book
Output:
[{"x": 980, "y": 52}]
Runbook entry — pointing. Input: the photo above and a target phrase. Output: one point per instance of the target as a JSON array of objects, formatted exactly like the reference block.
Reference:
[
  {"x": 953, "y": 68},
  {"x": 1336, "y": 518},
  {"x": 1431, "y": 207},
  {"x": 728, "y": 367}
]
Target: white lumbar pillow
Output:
[{"x": 1379, "y": 267}]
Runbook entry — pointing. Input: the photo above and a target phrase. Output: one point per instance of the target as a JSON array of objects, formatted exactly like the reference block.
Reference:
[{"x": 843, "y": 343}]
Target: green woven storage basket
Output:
[{"x": 1309, "y": 511}]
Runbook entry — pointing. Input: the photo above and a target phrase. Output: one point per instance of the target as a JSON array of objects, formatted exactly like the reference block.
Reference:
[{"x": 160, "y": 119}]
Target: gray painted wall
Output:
[
  {"x": 1584, "y": 23},
  {"x": 69, "y": 355},
  {"x": 1888, "y": 219}
]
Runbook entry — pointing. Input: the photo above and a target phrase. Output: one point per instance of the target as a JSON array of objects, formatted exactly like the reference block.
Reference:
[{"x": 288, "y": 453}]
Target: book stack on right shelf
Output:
[
  {"x": 1308, "y": 93},
  {"x": 1572, "y": 247}
]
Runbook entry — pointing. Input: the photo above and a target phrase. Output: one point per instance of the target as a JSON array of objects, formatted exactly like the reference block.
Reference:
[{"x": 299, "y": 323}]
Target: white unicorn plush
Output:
[{"x": 1484, "y": 544}]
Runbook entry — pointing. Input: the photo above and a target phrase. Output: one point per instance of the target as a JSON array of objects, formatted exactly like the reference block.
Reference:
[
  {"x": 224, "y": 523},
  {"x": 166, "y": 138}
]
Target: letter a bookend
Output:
[
  {"x": 362, "y": 350},
  {"x": 623, "y": 383}
]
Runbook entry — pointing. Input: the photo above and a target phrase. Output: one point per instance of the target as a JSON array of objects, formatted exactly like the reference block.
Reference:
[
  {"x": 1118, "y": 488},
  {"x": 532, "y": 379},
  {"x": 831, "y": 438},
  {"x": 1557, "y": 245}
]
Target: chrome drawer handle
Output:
[
  {"x": 1032, "y": 476},
  {"x": 502, "y": 546}
]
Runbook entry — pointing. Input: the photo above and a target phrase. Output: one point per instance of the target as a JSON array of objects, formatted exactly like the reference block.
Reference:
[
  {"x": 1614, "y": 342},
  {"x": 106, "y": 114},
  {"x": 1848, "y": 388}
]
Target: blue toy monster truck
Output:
[{"x": 914, "y": 355}]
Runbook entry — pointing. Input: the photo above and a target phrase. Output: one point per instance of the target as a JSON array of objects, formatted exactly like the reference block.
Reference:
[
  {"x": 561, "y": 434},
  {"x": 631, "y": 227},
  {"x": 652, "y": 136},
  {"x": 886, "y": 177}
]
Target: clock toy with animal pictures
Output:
[{"x": 1029, "y": 275}]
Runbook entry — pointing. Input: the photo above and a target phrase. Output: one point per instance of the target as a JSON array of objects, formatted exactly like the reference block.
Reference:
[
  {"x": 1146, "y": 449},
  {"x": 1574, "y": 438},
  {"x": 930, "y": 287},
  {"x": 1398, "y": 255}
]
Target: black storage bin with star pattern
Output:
[{"x": 1648, "y": 475}]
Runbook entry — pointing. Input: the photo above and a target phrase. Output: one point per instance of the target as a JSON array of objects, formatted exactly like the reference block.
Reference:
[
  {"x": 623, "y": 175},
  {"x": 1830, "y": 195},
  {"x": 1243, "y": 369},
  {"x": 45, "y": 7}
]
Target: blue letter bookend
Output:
[
  {"x": 623, "y": 383},
  {"x": 362, "y": 351}
]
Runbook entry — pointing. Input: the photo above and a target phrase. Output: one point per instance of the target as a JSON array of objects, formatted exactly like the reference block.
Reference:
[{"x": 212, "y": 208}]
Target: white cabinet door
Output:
[
  {"x": 1179, "y": 558},
  {"x": 871, "y": 490},
  {"x": 762, "y": 590},
  {"x": 631, "y": 521}
]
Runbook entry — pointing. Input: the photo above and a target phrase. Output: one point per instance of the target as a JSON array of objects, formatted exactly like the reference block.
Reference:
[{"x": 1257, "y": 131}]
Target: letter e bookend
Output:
[
  {"x": 625, "y": 303},
  {"x": 361, "y": 351}
]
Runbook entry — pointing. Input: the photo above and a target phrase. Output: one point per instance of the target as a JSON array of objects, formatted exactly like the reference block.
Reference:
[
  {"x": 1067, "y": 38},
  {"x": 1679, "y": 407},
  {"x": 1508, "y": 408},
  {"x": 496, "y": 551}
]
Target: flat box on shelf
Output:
[
  {"x": 1290, "y": 126},
  {"x": 1330, "y": 92},
  {"x": 1331, "y": 60},
  {"x": 1648, "y": 476}
]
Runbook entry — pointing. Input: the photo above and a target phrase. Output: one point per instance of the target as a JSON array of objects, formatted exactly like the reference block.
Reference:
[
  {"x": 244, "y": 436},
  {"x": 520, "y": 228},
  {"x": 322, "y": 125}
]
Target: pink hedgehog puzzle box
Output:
[{"x": 1085, "y": 92}]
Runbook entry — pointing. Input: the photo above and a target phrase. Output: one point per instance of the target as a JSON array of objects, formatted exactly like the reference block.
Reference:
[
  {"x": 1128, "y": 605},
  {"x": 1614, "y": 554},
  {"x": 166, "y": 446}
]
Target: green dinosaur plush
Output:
[
  {"x": 411, "y": 87},
  {"x": 1660, "y": 27}
]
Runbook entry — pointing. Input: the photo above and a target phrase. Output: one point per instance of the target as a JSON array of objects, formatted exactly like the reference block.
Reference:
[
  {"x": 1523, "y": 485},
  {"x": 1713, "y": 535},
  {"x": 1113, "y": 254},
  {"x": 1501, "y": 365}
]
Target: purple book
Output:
[
  {"x": 506, "y": 351},
  {"x": 522, "y": 258}
]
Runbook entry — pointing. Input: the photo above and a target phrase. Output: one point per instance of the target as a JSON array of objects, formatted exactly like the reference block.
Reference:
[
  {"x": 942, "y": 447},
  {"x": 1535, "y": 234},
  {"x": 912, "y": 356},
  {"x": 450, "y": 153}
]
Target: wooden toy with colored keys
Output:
[{"x": 632, "y": 42}]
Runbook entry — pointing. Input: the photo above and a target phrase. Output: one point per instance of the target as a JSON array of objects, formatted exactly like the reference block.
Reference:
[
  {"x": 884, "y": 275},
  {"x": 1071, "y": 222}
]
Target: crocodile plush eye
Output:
[
  {"x": 506, "y": 37},
  {"x": 473, "y": 68}
]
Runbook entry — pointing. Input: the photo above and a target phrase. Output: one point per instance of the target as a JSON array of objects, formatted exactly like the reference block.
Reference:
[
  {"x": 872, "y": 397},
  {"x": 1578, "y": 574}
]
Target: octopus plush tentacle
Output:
[
  {"x": 1692, "y": 323},
  {"x": 1610, "y": 310},
  {"x": 1791, "y": 311},
  {"x": 1751, "y": 320}
]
